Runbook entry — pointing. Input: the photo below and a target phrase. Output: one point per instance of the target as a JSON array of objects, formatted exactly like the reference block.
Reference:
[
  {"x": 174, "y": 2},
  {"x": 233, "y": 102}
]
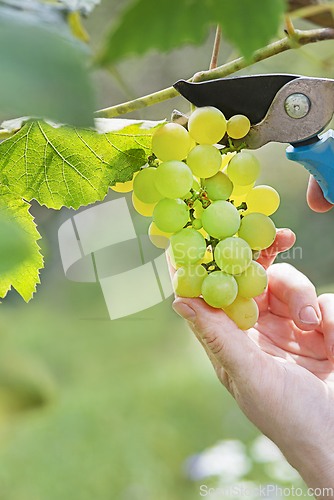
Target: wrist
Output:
[{"x": 315, "y": 464}]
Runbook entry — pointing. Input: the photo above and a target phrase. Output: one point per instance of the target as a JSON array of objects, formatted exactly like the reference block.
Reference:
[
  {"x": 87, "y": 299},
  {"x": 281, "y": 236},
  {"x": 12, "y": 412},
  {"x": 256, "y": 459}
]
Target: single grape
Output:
[
  {"x": 208, "y": 257},
  {"x": 221, "y": 219},
  {"x": 244, "y": 312},
  {"x": 203, "y": 232},
  {"x": 233, "y": 255},
  {"x": 218, "y": 187},
  {"x": 197, "y": 224},
  {"x": 237, "y": 200},
  {"x": 262, "y": 199},
  {"x": 187, "y": 246},
  {"x": 219, "y": 289},
  {"x": 159, "y": 238},
  {"x": 187, "y": 281},
  {"x": 198, "y": 207},
  {"x": 173, "y": 179},
  {"x": 145, "y": 209},
  {"x": 241, "y": 190},
  {"x": 207, "y": 125},
  {"x": 144, "y": 186},
  {"x": 195, "y": 186},
  {"x": 124, "y": 187},
  {"x": 238, "y": 126},
  {"x": 243, "y": 169},
  {"x": 226, "y": 157},
  {"x": 170, "y": 215},
  {"x": 171, "y": 142},
  {"x": 253, "y": 281},
  {"x": 204, "y": 160},
  {"x": 258, "y": 230},
  {"x": 256, "y": 254}
]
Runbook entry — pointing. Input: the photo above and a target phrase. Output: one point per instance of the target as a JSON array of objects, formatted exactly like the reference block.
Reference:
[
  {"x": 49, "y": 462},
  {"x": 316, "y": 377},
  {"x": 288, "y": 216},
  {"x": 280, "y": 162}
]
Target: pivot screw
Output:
[{"x": 297, "y": 105}]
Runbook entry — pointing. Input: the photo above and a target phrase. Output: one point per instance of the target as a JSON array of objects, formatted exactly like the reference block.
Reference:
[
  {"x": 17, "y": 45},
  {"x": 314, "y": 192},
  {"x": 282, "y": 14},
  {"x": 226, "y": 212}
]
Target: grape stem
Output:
[
  {"x": 212, "y": 242},
  {"x": 299, "y": 38},
  {"x": 191, "y": 214},
  {"x": 290, "y": 30},
  {"x": 207, "y": 266},
  {"x": 231, "y": 148},
  {"x": 243, "y": 206}
]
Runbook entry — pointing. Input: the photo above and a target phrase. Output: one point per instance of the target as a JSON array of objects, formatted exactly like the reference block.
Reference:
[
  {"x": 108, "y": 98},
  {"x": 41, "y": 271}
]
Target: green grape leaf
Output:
[
  {"x": 143, "y": 27},
  {"x": 65, "y": 166},
  {"x": 19, "y": 251},
  {"x": 248, "y": 24},
  {"x": 43, "y": 73}
]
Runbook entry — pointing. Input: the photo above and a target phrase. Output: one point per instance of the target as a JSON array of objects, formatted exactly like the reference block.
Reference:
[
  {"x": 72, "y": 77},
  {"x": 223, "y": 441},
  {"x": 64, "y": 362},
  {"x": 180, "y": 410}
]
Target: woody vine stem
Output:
[{"x": 294, "y": 39}]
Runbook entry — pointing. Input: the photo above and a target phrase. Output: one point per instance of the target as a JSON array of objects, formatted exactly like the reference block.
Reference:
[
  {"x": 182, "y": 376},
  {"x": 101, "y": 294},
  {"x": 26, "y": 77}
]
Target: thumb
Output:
[{"x": 221, "y": 338}]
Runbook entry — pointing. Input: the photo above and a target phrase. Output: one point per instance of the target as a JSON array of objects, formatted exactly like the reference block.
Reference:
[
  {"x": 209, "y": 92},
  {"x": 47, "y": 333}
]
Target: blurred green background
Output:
[{"x": 125, "y": 409}]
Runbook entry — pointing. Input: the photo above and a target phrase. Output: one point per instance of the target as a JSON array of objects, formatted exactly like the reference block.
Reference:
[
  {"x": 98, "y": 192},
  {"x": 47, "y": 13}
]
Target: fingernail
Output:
[
  {"x": 308, "y": 315},
  {"x": 185, "y": 311}
]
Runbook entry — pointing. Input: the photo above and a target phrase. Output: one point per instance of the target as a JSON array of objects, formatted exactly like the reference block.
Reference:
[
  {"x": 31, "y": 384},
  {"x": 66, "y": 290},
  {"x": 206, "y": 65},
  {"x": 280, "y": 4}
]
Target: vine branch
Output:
[
  {"x": 312, "y": 10},
  {"x": 290, "y": 30},
  {"x": 299, "y": 39},
  {"x": 214, "y": 58}
]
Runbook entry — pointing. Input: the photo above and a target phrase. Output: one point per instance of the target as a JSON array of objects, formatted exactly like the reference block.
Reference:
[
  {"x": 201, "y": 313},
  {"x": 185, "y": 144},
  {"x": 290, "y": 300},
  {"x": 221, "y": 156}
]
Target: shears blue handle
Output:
[{"x": 318, "y": 159}]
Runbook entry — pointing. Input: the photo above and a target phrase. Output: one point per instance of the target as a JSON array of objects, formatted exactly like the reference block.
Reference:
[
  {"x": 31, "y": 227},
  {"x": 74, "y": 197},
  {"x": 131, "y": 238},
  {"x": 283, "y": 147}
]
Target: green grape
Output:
[
  {"x": 237, "y": 200},
  {"x": 170, "y": 215},
  {"x": 207, "y": 125},
  {"x": 145, "y": 209},
  {"x": 241, "y": 190},
  {"x": 173, "y": 179},
  {"x": 238, "y": 126},
  {"x": 233, "y": 255},
  {"x": 226, "y": 157},
  {"x": 144, "y": 186},
  {"x": 218, "y": 187},
  {"x": 244, "y": 312},
  {"x": 208, "y": 257},
  {"x": 159, "y": 238},
  {"x": 256, "y": 254},
  {"x": 262, "y": 199},
  {"x": 243, "y": 169},
  {"x": 253, "y": 281},
  {"x": 124, "y": 187},
  {"x": 258, "y": 230},
  {"x": 171, "y": 142},
  {"x": 204, "y": 160},
  {"x": 187, "y": 281},
  {"x": 198, "y": 207},
  {"x": 187, "y": 246},
  {"x": 219, "y": 289},
  {"x": 197, "y": 224},
  {"x": 195, "y": 186},
  {"x": 221, "y": 219}
]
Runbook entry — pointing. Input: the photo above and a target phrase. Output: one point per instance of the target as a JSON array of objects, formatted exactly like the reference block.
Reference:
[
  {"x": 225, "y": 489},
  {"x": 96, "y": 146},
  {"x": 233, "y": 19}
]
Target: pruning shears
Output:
[{"x": 281, "y": 108}]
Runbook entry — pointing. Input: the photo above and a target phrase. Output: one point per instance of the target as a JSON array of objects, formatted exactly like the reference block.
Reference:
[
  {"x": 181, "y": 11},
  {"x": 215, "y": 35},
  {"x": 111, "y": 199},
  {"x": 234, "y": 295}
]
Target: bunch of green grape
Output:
[{"x": 208, "y": 213}]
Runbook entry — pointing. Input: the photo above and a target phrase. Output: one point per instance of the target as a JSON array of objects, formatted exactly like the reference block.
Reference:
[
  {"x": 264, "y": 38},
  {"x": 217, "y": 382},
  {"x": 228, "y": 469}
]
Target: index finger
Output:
[{"x": 284, "y": 240}]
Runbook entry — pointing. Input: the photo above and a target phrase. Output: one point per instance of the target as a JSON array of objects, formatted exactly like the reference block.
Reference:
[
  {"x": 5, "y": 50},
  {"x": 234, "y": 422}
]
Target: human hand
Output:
[
  {"x": 280, "y": 372},
  {"x": 315, "y": 197}
]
